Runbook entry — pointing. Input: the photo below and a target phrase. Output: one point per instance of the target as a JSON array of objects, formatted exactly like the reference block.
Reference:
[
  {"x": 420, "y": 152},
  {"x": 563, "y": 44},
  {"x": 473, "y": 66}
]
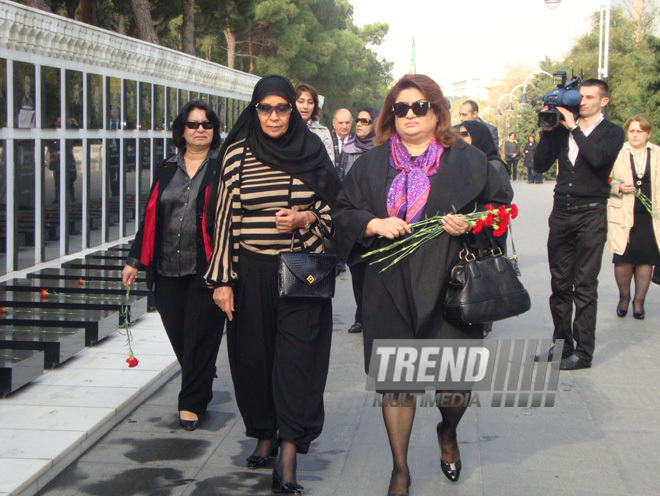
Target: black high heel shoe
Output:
[
  {"x": 256, "y": 461},
  {"x": 284, "y": 487},
  {"x": 407, "y": 486},
  {"x": 451, "y": 470},
  {"x": 619, "y": 312},
  {"x": 189, "y": 425}
]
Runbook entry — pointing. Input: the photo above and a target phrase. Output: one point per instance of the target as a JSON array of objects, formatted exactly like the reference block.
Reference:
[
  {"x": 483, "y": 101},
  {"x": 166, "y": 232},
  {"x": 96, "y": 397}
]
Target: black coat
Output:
[
  {"x": 204, "y": 210},
  {"x": 405, "y": 300}
]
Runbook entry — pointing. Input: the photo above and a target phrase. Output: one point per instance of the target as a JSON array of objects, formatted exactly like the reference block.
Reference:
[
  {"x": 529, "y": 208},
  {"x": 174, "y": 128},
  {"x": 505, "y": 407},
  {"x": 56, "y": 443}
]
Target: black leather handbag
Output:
[
  {"x": 306, "y": 275},
  {"x": 484, "y": 287}
]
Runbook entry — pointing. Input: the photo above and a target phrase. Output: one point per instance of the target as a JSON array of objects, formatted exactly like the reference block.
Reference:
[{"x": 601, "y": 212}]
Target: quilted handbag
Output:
[
  {"x": 306, "y": 275},
  {"x": 484, "y": 289}
]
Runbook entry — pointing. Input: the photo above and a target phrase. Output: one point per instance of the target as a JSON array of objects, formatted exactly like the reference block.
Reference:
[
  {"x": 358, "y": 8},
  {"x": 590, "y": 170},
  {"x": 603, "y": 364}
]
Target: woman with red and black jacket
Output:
[{"x": 174, "y": 245}]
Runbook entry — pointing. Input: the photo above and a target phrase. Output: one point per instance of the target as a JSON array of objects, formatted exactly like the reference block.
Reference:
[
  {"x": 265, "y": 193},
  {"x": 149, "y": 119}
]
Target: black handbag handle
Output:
[{"x": 471, "y": 253}]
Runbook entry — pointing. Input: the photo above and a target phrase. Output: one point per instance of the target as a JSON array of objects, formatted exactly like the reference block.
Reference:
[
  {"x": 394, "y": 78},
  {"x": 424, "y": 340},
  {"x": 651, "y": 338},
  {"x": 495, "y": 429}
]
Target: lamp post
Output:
[
  {"x": 523, "y": 99},
  {"x": 603, "y": 44},
  {"x": 509, "y": 108}
]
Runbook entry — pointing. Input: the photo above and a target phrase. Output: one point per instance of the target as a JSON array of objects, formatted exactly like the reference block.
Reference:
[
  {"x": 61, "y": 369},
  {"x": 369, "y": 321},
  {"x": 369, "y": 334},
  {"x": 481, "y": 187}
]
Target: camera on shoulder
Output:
[{"x": 566, "y": 95}]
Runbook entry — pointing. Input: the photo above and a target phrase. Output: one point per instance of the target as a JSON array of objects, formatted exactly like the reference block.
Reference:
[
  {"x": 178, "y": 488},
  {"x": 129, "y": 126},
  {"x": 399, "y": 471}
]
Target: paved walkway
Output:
[{"x": 601, "y": 438}]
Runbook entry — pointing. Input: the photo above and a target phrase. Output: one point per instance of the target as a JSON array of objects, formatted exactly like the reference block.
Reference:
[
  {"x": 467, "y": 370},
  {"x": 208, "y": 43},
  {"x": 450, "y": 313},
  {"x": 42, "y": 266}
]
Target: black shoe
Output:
[
  {"x": 189, "y": 425},
  {"x": 355, "y": 328},
  {"x": 256, "y": 461},
  {"x": 451, "y": 470},
  {"x": 574, "y": 362},
  {"x": 284, "y": 487},
  {"x": 639, "y": 316},
  {"x": 550, "y": 354},
  {"x": 389, "y": 493},
  {"x": 621, "y": 313}
]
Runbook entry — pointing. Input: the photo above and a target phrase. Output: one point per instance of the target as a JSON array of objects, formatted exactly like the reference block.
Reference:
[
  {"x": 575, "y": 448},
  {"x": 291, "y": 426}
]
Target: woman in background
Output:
[
  {"x": 633, "y": 234},
  {"x": 307, "y": 102}
]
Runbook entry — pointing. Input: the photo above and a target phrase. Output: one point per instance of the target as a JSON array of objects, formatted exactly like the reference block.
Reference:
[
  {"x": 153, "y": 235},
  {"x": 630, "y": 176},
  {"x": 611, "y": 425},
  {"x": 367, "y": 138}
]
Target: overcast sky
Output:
[{"x": 474, "y": 38}]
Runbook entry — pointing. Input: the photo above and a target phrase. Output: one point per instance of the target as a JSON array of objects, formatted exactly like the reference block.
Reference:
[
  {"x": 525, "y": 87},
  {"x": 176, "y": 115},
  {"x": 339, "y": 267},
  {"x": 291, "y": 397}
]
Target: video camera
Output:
[{"x": 566, "y": 95}]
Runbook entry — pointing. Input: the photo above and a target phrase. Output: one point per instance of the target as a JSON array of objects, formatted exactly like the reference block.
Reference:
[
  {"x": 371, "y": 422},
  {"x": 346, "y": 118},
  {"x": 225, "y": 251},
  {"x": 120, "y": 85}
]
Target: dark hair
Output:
[
  {"x": 179, "y": 123},
  {"x": 473, "y": 105},
  {"x": 602, "y": 86},
  {"x": 385, "y": 126},
  {"x": 300, "y": 89}
]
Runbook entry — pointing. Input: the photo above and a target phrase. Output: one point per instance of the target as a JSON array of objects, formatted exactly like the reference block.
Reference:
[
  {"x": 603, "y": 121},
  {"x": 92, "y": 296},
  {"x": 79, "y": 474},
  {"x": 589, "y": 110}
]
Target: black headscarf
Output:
[
  {"x": 481, "y": 138},
  {"x": 361, "y": 145},
  {"x": 298, "y": 151}
]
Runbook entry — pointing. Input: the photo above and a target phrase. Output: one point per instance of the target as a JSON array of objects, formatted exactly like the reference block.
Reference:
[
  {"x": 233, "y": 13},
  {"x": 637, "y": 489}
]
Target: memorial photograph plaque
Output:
[
  {"x": 145, "y": 106},
  {"x": 114, "y": 103},
  {"x": 3, "y": 208},
  {"x": 74, "y": 99},
  {"x": 50, "y": 98},
  {"x": 159, "y": 107},
  {"x": 172, "y": 106},
  {"x": 184, "y": 97},
  {"x": 50, "y": 198},
  {"x": 3, "y": 93},
  {"x": 74, "y": 172},
  {"x": 94, "y": 101},
  {"x": 24, "y": 201},
  {"x": 94, "y": 185},
  {"x": 222, "y": 113},
  {"x": 24, "y": 93},
  {"x": 130, "y": 104},
  {"x": 144, "y": 181}
]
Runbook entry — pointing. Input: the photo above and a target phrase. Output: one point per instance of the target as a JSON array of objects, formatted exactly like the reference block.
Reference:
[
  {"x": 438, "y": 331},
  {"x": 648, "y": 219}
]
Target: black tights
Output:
[
  {"x": 398, "y": 422},
  {"x": 623, "y": 273}
]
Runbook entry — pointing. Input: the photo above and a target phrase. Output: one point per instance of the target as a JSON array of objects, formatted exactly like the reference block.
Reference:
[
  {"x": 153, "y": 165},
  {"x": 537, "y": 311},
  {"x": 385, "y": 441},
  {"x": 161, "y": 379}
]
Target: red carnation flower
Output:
[
  {"x": 44, "y": 294},
  {"x": 2, "y": 311},
  {"x": 490, "y": 207},
  {"x": 132, "y": 362},
  {"x": 478, "y": 226},
  {"x": 488, "y": 221},
  {"x": 80, "y": 281},
  {"x": 609, "y": 180},
  {"x": 513, "y": 210}
]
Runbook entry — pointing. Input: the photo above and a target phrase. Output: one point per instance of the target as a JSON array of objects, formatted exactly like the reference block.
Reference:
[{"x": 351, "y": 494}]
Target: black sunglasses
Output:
[
  {"x": 195, "y": 124},
  {"x": 419, "y": 108},
  {"x": 363, "y": 120},
  {"x": 266, "y": 110},
  {"x": 465, "y": 134}
]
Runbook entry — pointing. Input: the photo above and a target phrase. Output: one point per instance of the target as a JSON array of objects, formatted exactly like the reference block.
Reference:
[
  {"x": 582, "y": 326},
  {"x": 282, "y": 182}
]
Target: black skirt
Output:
[{"x": 642, "y": 248}]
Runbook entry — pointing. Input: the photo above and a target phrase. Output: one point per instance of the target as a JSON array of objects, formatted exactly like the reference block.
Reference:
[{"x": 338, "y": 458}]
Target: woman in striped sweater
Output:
[{"x": 277, "y": 179}]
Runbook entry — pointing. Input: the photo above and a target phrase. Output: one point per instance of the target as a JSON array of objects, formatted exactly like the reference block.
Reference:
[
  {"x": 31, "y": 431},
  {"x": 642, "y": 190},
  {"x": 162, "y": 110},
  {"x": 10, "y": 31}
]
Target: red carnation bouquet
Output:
[{"x": 425, "y": 230}]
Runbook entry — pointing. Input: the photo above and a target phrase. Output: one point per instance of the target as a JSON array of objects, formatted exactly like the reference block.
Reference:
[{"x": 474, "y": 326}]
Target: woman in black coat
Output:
[
  {"x": 174, "y": 246},
  {"x": 419, "y": 167}
]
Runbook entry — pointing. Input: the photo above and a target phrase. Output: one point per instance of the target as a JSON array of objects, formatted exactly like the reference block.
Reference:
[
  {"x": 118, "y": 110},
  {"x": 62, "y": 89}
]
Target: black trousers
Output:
[
  {"x": 512, "y": 165},
  {"x": 357, "y": 278},
  {"x": 194, "y": 325},
  {"x": 575, "y": 252},
  {"x": 279, "y": 353}
]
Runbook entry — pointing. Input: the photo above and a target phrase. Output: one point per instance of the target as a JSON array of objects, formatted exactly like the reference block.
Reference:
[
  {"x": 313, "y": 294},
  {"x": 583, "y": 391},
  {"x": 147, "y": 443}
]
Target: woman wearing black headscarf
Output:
[
  {"x": 478, "y": 135},
  {"x": 276, "y": 179},
  {"x": 362, "y": 141}
]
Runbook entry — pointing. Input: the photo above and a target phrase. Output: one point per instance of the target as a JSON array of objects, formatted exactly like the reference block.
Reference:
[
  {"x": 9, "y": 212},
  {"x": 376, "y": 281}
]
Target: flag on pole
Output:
[{"x": 412, "y": 65}]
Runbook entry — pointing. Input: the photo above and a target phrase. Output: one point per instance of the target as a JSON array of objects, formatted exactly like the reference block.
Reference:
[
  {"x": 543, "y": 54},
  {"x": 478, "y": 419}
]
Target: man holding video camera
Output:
[{"x": 585, "y": 150}]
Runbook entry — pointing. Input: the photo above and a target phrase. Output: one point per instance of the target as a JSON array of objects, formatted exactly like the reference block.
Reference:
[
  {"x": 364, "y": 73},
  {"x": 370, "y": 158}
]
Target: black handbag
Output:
[
  {"x": 306, "y": 275},
  {"x": 484, "y": 288}
]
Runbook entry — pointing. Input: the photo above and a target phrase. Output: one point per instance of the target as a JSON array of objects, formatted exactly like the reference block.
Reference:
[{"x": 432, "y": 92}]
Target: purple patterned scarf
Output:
[{"x": 410, "y": 189}]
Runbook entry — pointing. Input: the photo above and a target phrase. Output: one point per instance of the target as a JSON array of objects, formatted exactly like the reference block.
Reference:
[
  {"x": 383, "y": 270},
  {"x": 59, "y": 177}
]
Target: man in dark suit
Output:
[
  {"x": 585, "y": 151},
  {"x": 341, "y": 132},
  {"x": 469, "y": 111}
]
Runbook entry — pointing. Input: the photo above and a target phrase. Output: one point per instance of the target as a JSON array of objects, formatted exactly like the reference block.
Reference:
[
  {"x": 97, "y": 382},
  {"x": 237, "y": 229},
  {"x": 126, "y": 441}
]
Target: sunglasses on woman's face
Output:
[
  {"x": 419, "y": 108},
  {"x": 281, "y": 109},
  {"x": 465, "y": 134},
  {"x": 195, "y": 125},
  {"x": 364, "y": 121}
]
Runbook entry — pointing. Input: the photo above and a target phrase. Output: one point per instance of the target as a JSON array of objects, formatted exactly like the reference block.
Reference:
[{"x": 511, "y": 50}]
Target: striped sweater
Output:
[{"x": 250, "y": 193}]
